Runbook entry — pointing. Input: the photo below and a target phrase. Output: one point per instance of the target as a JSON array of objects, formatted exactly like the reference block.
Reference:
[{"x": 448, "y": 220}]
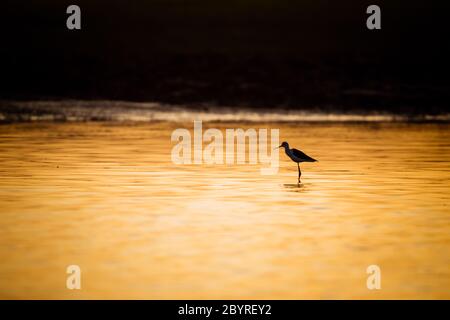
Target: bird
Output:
[{"x": 296, "y": 156}]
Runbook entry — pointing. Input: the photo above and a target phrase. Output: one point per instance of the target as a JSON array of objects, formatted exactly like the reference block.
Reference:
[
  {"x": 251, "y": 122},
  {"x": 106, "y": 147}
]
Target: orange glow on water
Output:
[{"x": 108, "y": 198}]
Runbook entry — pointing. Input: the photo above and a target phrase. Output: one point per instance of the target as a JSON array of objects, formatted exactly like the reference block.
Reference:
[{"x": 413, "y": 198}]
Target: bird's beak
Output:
[{"x": 277, "y": 148}]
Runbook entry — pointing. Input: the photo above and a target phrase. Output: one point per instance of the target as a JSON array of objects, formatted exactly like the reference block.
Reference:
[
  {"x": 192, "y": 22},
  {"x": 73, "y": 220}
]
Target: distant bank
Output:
[{"x": 123, "y": 111}]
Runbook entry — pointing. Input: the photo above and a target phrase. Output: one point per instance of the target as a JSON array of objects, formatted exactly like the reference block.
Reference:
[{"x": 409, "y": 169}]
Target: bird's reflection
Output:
[{"x": 294, "y": 187}]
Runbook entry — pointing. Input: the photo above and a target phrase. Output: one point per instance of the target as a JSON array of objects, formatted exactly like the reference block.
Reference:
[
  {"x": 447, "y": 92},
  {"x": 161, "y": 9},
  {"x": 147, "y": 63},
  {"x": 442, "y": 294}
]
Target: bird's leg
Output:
[{"x": 299, "y": 172}]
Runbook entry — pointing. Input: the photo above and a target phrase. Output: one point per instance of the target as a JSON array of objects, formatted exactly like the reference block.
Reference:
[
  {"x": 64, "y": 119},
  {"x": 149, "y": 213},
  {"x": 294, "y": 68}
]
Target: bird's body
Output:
[{"x": 296, "y": 156}]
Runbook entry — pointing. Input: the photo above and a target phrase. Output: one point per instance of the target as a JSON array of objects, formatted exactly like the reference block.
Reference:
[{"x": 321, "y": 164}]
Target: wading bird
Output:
[{"x": 296, "y": 156}]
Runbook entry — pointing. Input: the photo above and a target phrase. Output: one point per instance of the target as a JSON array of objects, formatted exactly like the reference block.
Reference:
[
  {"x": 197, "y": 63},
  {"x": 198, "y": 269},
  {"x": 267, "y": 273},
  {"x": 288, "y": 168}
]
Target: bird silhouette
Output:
[{"x": 296, "y": 156}]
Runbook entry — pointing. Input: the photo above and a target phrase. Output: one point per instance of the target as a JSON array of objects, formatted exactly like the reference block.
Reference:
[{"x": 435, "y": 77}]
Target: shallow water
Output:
[{"x": 106, "y": 197}]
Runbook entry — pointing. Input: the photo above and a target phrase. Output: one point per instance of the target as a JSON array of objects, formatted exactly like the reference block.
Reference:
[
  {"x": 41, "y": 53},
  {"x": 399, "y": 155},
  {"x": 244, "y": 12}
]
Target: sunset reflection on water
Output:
[{"x": 106, "y": 197}]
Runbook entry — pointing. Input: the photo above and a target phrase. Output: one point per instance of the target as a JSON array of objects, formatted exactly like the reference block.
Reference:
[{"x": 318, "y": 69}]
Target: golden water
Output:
[{"x": 107, "y": 197}]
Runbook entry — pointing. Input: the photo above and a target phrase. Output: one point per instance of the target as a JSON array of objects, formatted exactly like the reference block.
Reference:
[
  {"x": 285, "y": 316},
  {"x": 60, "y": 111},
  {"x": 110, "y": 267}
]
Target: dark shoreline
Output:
[
  {"x": 399, "y": 87},
  {"x": 126, "y": 111}
]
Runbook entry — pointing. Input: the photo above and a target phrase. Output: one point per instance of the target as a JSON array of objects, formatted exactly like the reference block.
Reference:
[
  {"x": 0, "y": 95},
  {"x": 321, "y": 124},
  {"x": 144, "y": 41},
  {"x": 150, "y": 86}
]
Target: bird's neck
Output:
[{"x": 287, "y": 150}]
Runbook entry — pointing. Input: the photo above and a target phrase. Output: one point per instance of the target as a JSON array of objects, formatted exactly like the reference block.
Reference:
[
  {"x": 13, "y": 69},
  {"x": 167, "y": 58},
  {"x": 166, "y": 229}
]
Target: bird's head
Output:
[{"x": 284, "y": 144}]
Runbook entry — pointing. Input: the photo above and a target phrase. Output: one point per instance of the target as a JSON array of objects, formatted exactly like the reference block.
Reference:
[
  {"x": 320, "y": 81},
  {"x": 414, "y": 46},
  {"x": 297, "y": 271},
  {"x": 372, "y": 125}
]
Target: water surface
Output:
[{"x": 106, "y": 196}]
